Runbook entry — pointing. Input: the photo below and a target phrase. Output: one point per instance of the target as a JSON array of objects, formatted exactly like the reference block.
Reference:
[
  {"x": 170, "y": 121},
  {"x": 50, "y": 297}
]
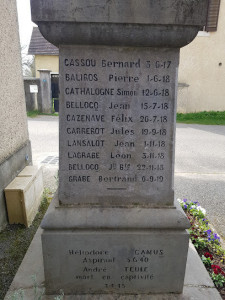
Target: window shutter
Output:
[{"x": 213, "y": 15}]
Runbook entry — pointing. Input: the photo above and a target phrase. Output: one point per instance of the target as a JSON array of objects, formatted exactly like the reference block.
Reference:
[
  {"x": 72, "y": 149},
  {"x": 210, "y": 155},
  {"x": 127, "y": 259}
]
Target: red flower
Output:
[
  {"x": 207, "y": 254},
  {"x": 216, "y": 269}
]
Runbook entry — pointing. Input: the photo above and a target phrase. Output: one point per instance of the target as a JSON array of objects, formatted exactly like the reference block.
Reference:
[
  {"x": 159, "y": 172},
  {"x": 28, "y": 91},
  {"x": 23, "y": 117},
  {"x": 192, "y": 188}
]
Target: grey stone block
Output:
[
  {"x": 108, "y": 250},
  {"x": 125, "y": 23},
  {"x": 132, "y": 218},
  {"x": 123, "y": 262},
  {"x": 9, "y": 169},
  {"x": 117, "y": 125},
  {"x": 171, "y": 12}
]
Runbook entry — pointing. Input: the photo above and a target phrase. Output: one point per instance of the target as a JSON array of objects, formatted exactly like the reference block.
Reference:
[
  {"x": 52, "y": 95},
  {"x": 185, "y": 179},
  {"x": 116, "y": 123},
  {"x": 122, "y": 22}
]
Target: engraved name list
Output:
[{"x": 117, "y": 116}]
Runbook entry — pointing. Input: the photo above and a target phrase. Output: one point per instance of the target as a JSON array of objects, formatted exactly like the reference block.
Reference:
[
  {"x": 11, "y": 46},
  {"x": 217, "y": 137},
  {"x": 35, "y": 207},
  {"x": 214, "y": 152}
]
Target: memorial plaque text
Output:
[{"x": 117, "y": 119}]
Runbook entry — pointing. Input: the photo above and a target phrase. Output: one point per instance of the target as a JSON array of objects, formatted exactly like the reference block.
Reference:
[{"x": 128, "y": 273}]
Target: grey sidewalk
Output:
[
  {"x": 197, "y": 286},
  {"x": 200, "y": 169},
  {"x": 44, "y": 136},
  {"x": 199, "y": 163}
]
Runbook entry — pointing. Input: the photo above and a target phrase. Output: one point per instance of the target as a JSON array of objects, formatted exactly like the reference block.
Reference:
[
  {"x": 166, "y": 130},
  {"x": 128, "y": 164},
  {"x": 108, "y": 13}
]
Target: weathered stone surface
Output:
[
  {"x": 117, "y": 125},
  {"x": 168, "y": 12},
  {"x": 172, "y": 23},
  {"x": 120, "y": 34},
  {"x": 121, "y": 218},
  {"x": 122, "y": 242},
  {"x": 114, "y": 261}
]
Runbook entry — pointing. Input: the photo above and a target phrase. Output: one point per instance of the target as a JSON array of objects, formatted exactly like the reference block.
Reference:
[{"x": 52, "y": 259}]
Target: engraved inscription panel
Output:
[
  {"x": 112, "y": 262},
  {"x": 117, "y": 125}
]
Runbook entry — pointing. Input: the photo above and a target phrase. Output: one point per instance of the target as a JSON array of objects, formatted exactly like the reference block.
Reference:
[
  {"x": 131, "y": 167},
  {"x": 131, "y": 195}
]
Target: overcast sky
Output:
[{"x": 25, "y": 24}]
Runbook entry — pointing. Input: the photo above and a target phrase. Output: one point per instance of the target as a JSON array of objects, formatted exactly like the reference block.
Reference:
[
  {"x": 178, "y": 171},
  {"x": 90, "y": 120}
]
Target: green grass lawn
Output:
[
  {"x": 204, "y": 118},
  {"x": 35, "y": 113}
]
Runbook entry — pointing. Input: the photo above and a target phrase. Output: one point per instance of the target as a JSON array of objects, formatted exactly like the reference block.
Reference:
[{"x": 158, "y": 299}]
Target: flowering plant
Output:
[
  {"x": 208, "y": 255},
  {"x": 207, "y": 259},
  {"x": 193, "y": 207},
  {"x": 212, "y": 237},
  {"x": 217, "y": 270},
  {"x": 206, "y": 242}
]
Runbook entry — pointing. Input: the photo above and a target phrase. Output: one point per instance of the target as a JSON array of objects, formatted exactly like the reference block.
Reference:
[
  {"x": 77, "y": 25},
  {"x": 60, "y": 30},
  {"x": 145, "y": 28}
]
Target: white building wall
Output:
[{"x": 202, "y": 71}]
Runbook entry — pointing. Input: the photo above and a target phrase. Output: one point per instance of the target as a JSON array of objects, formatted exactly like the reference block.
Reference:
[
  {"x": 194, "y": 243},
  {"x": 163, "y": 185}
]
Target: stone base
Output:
[
  {"x": 9, "y": 169},
  {"x": 197, "y": 282},
  {"x": 114, "y": 262},
  {"x": 119, "y": 250}
]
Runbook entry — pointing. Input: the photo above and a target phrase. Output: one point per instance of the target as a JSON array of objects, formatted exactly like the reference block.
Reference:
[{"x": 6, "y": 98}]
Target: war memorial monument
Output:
[{"x": 114, "y": 226}]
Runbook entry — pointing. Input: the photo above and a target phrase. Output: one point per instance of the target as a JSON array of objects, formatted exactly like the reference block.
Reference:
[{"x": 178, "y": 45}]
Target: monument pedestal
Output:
[
  {"x": 98, "y": 250},
  {"x": 115, "y": 228}
]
